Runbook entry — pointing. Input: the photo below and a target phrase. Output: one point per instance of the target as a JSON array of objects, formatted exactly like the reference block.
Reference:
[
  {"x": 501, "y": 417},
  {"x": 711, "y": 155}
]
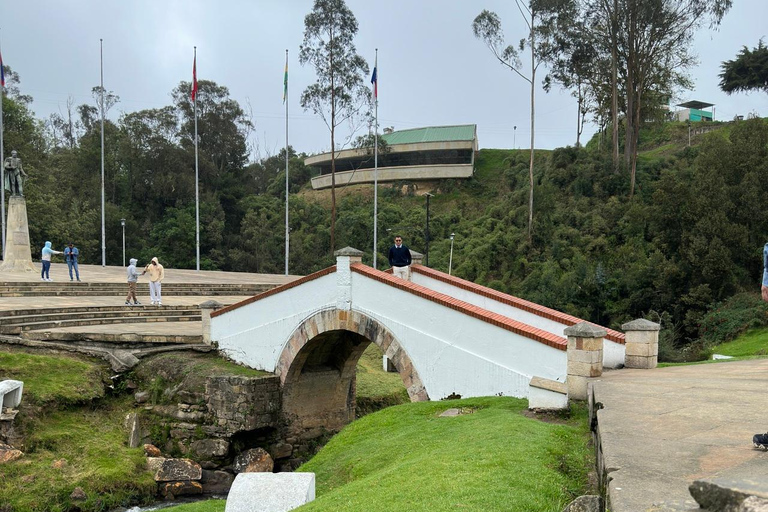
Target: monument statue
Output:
[{"x": 14, "y": 175}]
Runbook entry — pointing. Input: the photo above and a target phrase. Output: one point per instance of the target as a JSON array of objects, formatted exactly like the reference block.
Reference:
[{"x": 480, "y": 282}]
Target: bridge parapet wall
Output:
[{"x": 549, "y": 320}]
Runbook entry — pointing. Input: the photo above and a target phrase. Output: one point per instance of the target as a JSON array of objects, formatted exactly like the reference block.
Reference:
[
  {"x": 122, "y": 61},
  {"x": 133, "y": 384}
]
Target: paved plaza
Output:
[{"x": 662, "y": 429}]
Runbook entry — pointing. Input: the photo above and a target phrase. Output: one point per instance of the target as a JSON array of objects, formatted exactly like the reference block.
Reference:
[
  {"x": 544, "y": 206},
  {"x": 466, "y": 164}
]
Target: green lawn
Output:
[
  {"x": 49, "y": 379},
  {"x": 92, "y": 441},
  {"x": 750, "y": 344},
  {"x": 376, "y": 388},
  {"x": 408, "y": 458}
]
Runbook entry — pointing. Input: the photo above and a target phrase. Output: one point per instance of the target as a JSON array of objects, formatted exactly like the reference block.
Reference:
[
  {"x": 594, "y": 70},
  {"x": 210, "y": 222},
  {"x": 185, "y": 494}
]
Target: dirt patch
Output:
[{"x": 548, "y": 416}]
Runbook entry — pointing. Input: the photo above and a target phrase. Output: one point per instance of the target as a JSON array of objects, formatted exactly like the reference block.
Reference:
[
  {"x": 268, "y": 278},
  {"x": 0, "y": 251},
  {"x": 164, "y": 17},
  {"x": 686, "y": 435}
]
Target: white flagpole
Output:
[
  {"x": 197, "y": 179},
  {"x": 285, "y": 100},
  {"x": 376, "y": 161},
  {"x": 2, "y": 166},
  {"x": 103, "y": 234}
]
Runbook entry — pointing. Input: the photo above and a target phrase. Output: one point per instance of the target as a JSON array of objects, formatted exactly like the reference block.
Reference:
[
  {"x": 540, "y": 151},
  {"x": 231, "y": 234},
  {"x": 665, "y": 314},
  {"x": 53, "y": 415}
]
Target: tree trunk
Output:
[
  {"x": 615, "y": 85},
  {"x": 578, "y": 115},
  {"x": 333, "y": 151},
  {"x": 533, "y": 119}
]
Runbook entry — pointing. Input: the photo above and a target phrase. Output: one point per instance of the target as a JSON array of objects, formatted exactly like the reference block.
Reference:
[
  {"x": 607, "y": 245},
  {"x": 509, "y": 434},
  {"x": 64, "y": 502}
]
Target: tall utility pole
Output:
[
  {"x": 2, "y": 154},
  {"x": 285, "y": 100},
  {"x": 375, "y": 80},
  {"x": 103, "y": 231},
  {"x": 197, "y": 173},
  {"x": 426, "y": 232}
]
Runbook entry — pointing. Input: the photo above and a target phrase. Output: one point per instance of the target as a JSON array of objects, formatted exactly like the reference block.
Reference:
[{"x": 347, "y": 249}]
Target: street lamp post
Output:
[
  {"x": 450, "y": 259},
  {"x": 426, "y": 233},
  {"x": 122, "y": 223}
]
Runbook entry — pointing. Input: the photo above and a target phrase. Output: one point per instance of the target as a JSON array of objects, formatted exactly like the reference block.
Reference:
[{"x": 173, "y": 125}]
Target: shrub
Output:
[{"x": 728, "y": 319}]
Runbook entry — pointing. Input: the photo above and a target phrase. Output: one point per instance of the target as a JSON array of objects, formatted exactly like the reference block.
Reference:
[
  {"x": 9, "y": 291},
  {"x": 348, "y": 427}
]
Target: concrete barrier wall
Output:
[{"x": 613, "y": 353}]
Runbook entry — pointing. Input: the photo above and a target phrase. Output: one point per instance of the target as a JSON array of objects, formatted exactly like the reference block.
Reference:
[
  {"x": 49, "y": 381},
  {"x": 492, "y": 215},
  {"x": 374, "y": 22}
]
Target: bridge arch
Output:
[{"x": 317, "y": 369}]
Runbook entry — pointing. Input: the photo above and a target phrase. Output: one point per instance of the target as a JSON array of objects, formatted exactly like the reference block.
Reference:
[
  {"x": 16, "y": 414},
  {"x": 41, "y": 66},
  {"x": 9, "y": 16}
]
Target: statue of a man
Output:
[{"x": 14, "y": 175}]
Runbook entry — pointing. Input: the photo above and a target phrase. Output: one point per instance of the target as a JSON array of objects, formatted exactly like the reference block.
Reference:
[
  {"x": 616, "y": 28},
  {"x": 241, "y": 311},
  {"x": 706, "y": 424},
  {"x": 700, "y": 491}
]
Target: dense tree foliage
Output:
[
  {"x": 747, "y": 72},
  {"x": 691, "y": 238}
]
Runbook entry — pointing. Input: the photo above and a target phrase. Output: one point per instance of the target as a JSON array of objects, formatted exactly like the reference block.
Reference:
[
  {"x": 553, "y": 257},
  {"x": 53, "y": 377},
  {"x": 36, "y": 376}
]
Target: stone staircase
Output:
[
  {"x": 80, "y": 289},
  {"x": 26, "y": 322}
]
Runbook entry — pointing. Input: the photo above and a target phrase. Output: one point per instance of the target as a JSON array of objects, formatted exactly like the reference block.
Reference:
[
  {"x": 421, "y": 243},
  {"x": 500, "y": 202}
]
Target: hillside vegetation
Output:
[{"x": 690, "y": 236}]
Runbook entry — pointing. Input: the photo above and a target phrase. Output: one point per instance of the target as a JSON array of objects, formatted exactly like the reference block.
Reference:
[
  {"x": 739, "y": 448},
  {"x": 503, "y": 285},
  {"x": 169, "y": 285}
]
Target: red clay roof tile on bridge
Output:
[
  {"x": 496, "y": 319},
  {"x": 511, "y": 300}
]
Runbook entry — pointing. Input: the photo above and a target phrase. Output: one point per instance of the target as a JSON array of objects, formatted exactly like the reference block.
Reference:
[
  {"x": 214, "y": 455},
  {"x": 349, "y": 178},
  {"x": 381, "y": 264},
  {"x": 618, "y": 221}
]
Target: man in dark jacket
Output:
[{"x": 400, "y": 258}]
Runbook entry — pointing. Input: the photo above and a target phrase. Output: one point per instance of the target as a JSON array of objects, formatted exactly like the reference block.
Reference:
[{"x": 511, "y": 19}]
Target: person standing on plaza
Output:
[
  {"x": 156, "y": 275},
  {"x": 764, "y": 287},
  {"x": 46, "y": 260},
  {"x": 70, "y": 255},
  {"x": 133, "y": 277},
  {"x": 400, "y": 258}
]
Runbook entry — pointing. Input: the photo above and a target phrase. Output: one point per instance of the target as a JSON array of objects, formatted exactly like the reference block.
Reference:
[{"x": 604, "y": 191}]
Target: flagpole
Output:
[
  {"x": 103, "y": 234},
  {"x": 2, "y": 157},
  {"x": 376, "y": 160},
  {"x": 197, "y": 179},
  {"x": 285, "y": 100}
]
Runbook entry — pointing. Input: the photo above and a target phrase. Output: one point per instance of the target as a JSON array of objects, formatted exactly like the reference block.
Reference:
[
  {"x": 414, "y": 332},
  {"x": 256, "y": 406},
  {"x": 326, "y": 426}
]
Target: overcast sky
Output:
[{"x": 432, "y": 70}]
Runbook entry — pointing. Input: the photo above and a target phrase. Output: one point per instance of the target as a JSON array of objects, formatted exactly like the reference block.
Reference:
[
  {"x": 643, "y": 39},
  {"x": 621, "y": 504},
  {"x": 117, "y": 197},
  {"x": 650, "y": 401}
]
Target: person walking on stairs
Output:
[
  {"x": 156, "y": 275},
  {"x": 133, "y": 277}
]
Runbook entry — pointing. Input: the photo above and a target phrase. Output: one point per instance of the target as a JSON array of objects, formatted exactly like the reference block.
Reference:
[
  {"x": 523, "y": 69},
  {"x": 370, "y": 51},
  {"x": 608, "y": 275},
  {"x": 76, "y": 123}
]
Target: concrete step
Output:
[
  {"x": 125, "y": 340},
  {"x": 34, "y": 326},
  {"x": 80, "y": 309},
  {"x": 128, "y": 312},
  {"x": 15, "y": 325},
  {"x": 122, "y": 291}
]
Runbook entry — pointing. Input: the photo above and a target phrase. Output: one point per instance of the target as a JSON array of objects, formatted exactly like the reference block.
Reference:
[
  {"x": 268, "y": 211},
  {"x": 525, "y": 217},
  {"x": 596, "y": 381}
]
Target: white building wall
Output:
[
  {"x": 256, "y": 333},
  {"x": 613, "y": 353}
]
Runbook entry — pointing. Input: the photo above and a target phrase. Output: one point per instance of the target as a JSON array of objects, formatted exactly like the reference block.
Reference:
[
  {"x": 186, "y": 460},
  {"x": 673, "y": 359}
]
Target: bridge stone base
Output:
[{"x": 317, "y": 370}]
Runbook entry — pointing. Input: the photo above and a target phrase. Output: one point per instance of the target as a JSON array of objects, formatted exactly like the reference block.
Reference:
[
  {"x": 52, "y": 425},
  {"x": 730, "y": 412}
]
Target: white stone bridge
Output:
[{"x": 443, "y": 334}]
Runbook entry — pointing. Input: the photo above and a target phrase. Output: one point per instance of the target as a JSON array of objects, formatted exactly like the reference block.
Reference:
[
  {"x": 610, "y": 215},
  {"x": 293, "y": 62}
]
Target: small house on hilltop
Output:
[
  {"x": 694, "y": 111},
  {"x": 435, "y": 152}
]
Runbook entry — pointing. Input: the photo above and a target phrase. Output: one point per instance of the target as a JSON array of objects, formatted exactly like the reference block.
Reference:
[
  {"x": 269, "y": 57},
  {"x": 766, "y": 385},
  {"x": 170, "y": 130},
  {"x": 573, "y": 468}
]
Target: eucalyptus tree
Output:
[
  {"x": 649, "y": 42},
  {"x": 339, "y": 95},
  {"x": 747, "y": 72},
  {"x": 538, "y": 18}
]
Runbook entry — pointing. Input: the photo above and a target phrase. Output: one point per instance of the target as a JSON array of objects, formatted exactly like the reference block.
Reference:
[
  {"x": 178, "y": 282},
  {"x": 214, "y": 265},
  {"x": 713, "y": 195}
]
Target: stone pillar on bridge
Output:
[
  {"x": 344, "y": 259},
  {"x": 585, "y": 357},
  {"x": 206, "y": 308},
  {"x": 642, "y": 344}
]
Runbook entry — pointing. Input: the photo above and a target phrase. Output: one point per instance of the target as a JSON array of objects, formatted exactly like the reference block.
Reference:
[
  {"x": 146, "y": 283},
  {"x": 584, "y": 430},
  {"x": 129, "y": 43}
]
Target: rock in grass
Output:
[
  {"x": 78, "y": 494},
  {"x": 9, "y": 453},
  {"x": 59, "y": 464},
  {"x": 151, "y": 450},
  {"x": 255, "y": 460},
  {"x": 170, "y": 490},
  {"x": 588, "y": 503},
  {"x": 754, "y": 504},
  {"x": 172, "y": 470},
  {"x": 216, "y": 482}
]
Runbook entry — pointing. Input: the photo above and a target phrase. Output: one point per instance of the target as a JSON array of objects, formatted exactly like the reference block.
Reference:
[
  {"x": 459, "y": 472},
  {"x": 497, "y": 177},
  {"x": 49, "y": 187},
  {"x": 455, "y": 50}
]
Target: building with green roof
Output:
[{"x": 435, "y": 152}]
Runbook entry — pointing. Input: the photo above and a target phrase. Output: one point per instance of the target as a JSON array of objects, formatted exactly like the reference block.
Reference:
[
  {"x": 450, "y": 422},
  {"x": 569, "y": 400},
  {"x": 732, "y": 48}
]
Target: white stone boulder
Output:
[
  {"x": 270, "y": 492},
  {"x": 10, "y": 393}
]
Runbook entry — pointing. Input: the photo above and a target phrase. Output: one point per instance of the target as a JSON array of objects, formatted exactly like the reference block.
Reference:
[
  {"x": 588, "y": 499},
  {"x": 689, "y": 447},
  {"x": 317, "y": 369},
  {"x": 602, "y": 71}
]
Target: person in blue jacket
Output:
[
  {"x": 70, "y": 255},
  {"x": 400, "y": 258},
  {"x": 764, "y": 287},
  {"x": 46, "y": 260}
]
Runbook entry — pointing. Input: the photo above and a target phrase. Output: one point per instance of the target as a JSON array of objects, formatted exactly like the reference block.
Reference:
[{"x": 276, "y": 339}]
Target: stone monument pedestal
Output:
[{"x": 18, "y": 254}]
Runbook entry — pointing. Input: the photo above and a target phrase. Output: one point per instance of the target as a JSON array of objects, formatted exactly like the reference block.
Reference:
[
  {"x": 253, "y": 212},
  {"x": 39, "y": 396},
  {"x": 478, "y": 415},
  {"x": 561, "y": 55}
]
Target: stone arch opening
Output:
[{"x": 317, "y": 370}]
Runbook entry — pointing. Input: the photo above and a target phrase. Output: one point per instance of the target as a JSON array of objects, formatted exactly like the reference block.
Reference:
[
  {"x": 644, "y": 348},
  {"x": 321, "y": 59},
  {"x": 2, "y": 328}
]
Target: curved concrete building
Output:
[{"x": 435, "y": 152}]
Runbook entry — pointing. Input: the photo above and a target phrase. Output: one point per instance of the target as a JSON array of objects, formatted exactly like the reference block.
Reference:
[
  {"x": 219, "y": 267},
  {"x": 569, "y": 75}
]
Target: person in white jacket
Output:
[
  {"x": 46, "y": 260},
  {"x": 156, "y": 275}
]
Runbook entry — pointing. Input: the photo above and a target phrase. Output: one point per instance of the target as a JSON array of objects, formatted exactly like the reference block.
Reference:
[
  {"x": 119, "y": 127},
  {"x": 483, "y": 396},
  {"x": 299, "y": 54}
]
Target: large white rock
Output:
[
  {"x": 10, "y": 393},
  {"x": 270, "y": 492}
]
